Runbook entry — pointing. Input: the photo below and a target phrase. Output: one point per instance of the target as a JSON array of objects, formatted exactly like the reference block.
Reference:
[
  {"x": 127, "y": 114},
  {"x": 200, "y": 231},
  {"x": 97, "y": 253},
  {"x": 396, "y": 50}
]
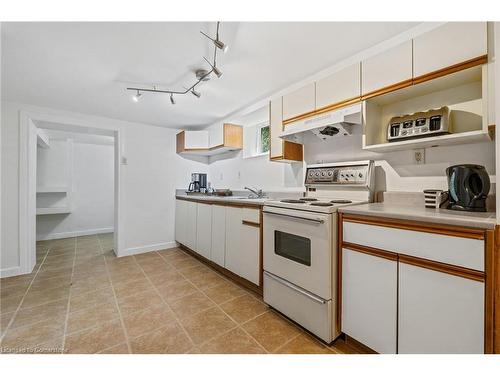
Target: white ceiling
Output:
[{"x": 85, "y": 67}]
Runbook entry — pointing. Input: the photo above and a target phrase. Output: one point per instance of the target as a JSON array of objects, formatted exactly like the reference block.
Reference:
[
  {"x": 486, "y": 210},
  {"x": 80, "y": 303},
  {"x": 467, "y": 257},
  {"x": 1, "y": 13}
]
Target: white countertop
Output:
[
  {"x": 230, "y": 199},
  {"x": 485, "y": 220}
]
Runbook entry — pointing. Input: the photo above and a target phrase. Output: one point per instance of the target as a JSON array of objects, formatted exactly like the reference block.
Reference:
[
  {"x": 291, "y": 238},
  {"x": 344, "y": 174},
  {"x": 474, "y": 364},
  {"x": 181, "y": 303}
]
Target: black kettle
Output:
[{"x": 469, "y": 186}]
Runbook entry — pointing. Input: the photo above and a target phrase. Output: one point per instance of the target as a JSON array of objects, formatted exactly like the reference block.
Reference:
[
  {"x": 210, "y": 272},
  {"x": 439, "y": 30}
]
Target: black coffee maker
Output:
[{"x": 469, "y": 186}]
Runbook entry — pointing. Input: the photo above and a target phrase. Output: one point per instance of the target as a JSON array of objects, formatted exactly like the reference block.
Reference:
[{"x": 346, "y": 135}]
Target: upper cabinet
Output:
[
  {"x": 448, "y": 45},
  {"x": 281, "y": 150},
  {"x": 385, "y": 70},
  {"x": 339, "y": 88},
  {"x": 299, "y": 102},
  {"x": 217, "y": 140}
]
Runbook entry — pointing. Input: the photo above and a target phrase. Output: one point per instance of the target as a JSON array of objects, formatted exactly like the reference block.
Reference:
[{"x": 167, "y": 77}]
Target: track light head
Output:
[
  {"x": 216, "y": 70},
  {"x": 172, "y": 100},
  {"x": 195, "y": 93},
  {"x": 137, "y": 97},
  {"x": 217, "y": 42},
  {"x": 222, "y": 46}
]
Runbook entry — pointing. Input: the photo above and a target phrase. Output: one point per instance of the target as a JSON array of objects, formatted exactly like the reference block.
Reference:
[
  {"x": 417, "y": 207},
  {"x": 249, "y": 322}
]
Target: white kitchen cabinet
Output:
[
  {"x": 447, "y": 45},
  {"x": 220, "y": 138},
  {"x": 196, "y": 139},
  {"x": 339, "y": 86},
  {"x": 180, "y": 221},
  {"x": 387, "y": 68},
  {"x": 369, "y": 300},
  {"x": 190, "y": 224},
  {"x": 299, "y": 101},
  {"x": 439, "y": 313},
  {"x": 204, "y": 230},
  {"x": 218, "y": 245},
  {"x": 242, "y": 246}
]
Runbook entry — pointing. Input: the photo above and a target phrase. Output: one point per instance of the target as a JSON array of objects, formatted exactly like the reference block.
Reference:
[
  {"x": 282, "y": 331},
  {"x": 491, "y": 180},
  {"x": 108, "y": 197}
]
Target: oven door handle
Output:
[
  {"x": 319, "y": 221},
  {"x": 296, "y": 288}
]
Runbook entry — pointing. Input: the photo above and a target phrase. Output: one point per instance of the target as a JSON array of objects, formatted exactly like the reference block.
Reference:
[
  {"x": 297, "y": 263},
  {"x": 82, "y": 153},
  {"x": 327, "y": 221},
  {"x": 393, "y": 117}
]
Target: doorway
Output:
[{"x": 49, "y": 201}]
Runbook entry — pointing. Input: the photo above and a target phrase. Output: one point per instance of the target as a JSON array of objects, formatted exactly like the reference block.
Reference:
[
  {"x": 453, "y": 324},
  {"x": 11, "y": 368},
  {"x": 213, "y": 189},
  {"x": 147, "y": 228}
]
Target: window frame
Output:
[{"x": 258, "y": 141}]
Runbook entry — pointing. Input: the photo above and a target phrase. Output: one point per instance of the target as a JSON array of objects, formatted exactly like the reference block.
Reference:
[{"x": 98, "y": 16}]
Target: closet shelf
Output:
[
  {"x": 52, "y": 210},
  {"x": 52, "y": 189}
]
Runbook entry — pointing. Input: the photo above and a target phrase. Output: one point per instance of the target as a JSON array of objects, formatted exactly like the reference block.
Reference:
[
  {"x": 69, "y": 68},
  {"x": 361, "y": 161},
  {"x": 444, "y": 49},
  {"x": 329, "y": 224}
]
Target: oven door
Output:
[{"x": 298, "y": 248}]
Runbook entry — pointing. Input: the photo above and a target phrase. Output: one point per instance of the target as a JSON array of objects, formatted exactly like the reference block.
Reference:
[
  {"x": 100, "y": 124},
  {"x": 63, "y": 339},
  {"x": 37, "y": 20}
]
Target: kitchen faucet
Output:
[{"x": 258, "y": 193}]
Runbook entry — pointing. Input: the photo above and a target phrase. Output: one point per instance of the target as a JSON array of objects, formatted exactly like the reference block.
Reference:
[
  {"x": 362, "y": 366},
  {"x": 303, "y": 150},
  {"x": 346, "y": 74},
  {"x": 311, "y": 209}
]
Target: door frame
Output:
[{"x": 27, "y": 179}]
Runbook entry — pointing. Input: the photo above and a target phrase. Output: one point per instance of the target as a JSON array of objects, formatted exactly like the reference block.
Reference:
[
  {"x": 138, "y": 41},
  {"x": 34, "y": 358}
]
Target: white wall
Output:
[
  {"x": 148, "y": 181},
  {"x": 91, "y": 182}
]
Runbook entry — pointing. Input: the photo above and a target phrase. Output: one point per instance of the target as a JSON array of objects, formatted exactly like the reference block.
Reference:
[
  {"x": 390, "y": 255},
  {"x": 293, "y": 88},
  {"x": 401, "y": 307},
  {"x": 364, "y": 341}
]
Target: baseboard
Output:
[
  {"x": 12, "y": 271},
  {"x": 148, "y": 248},
  {"x": 88, "y": 232}
]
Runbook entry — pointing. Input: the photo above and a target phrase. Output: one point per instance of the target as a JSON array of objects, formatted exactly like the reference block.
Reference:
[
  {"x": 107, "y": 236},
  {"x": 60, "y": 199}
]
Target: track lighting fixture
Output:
[
  {"x": 216, "y": 70},
  {"x": 195, "y": 93},
  {"x": 201, "y": 74},
  {"x": 137, "y": 97}
]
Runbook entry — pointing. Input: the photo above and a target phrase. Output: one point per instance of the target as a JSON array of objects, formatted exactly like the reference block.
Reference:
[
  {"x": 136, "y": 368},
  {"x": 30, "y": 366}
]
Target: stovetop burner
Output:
[
  {"x": 321, "y": 204},
  {"x": 292, "y": 201},
  {"x": 308, "y": 199},
  {"x": 340, "y": 201}
]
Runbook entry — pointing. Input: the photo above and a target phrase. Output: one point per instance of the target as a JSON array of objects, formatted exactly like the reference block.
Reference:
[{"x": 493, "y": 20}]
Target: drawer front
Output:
[
  {"x": 314, "y": 314},
  {"x": 463, "y": 252},
  {"x": 251, "y": 215}
]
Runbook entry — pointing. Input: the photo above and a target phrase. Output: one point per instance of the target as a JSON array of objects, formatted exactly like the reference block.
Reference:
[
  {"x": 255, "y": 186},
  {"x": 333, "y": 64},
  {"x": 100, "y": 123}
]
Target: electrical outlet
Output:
[{"x": 419, "y": 156}]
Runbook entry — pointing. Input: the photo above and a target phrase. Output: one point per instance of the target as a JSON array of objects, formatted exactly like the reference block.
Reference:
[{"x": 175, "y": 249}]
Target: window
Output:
[{"x": 262, "y": 138}]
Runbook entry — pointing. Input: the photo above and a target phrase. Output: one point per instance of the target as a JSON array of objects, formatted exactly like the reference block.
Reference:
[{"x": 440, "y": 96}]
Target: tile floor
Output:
[{"x": 82, "y": 299}]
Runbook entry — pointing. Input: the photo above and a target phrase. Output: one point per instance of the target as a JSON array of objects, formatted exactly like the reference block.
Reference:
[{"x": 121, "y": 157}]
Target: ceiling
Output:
[{"x": 85, "y": 67}]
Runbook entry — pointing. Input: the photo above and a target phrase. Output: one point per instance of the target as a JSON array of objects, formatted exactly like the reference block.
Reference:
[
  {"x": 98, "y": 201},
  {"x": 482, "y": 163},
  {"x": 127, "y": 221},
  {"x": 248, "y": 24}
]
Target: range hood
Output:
[{"x": 336, "y": 123}]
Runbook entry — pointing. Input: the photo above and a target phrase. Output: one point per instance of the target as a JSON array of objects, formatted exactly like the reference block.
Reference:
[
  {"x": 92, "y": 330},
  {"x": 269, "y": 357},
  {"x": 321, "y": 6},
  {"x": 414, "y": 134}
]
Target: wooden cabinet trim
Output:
[
  {"x": 328, "y": 108},
  {"x": 232, "y": 136},
  {"x": 443, "y": 229},
  {"x": 397, "y": 86},
  {"x": 388, "y": 89},
  {"x": 491, "y": 288},
  {"x": 443, "y": 267},
  {"x": 250, "y": 223},
  {"x": 451, "y": 69},
  {"x": 181, "y": 141},
  {"x": 389, "y": 255}
]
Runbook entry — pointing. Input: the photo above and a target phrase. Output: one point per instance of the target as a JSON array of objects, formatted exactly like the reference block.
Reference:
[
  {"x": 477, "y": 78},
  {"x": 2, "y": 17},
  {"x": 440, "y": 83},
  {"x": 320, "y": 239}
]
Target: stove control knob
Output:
[
  {"x": 317, "y": 174},
  {"x": 330, "y": 173},
  {"x": 360, "y": 175},
  {"x": 323, "y": 174}
]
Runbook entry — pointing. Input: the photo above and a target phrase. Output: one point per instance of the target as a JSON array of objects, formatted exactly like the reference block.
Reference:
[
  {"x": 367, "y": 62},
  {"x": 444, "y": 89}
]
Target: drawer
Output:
[
  {"x": 464, "y": 252},
  {"x": 252, "y": 215},
  {"x": 311, "y": 312}
]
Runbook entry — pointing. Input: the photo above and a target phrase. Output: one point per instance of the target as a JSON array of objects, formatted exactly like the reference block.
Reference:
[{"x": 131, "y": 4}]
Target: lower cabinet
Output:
[
  {"x": 191, "y": 224},
  {"x": 228, "y": 236},
  {"x": 204, "y": 230},
  {"x": 218, "y": 246},
  {"x": 396, "y": 298},
  {"x": 439, "y": 312},
  {"x": 180, "y": 220},
  {"x": 369, "y": 300},
  {"x": 242, "y": 245}
]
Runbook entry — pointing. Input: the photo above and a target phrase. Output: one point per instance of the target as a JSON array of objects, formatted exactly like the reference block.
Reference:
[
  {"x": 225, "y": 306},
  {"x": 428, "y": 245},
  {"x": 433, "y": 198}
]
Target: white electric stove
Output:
[{"x": 300, "y": 244}]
